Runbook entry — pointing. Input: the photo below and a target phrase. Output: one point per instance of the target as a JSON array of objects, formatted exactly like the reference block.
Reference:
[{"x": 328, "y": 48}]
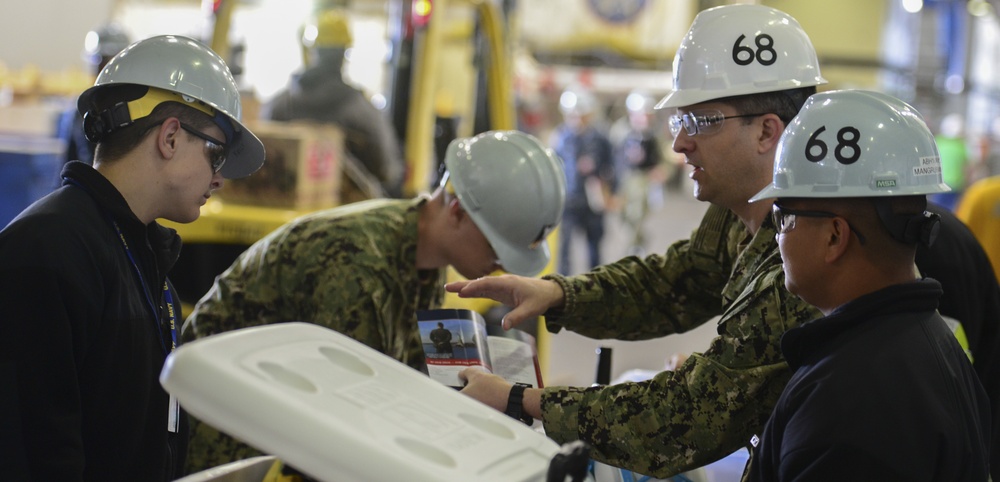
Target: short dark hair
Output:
[
  {"x": 117, "y": 144},
  {"x": 122, "y": 141},
  {"x": 783, "y": 103}
]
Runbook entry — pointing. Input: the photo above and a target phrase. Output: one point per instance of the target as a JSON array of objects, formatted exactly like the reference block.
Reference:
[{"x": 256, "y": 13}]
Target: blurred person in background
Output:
[
  {"x": 640, "y": 163},
  {"x": 591, "y": 180},
  {"x": 319, "y": 93},
  {"x": 99, "y": 46},
  {"x": 954, "y": 160}
]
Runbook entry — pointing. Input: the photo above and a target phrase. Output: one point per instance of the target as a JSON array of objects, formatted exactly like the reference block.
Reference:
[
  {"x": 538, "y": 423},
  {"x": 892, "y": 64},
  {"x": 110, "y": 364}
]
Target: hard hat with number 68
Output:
[
  {"x": 514, "y": 188},
  {"x": 738, "y": 50},
  {"x": 855, "y": 143}
]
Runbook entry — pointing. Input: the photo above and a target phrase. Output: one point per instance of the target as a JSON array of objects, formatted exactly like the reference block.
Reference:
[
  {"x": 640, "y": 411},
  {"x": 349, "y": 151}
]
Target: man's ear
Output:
[
  {"x": 838, "y": 239},
  {"x": 771, "y": 128},
  {"x": 168, "y": 137},
  {"x": 456, "y": 213}
]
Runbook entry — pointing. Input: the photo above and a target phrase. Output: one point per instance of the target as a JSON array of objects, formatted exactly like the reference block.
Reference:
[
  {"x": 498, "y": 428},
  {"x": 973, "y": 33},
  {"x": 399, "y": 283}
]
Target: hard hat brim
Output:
[
  {"x": 245, "y": 156},
  {"x": 524, "y": 262},
  {"x": 772, "y": 192}
]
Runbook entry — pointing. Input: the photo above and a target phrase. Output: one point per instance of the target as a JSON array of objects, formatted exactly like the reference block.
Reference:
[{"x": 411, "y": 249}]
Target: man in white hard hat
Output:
[
  {"x": 364, "y": 269},
  {"x": 740, "y": 75},
  {"x": 89, "y": 315},
  {"x": 881, "y": 389},
  {"x": 738, "y": 80}
]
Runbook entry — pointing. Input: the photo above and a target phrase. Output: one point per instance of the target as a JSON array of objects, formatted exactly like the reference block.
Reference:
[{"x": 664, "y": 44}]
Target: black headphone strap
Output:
[
  {"x": 908, "y": 228},
  {"x": 99, "y": 124}
]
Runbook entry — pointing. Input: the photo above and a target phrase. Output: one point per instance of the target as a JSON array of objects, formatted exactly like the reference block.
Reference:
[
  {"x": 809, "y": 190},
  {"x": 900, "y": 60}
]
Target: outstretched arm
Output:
[{"x": 528, "y": 297}]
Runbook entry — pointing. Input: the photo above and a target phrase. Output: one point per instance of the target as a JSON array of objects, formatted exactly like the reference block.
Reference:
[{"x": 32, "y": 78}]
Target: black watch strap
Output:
[{"x": 515, "y": 405}]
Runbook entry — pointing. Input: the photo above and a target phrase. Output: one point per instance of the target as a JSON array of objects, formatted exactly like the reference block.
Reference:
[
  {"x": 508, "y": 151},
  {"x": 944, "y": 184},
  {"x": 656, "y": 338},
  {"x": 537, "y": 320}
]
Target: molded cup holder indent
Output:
[
  {"x": 287, "y": 377},
  {"x": 486, "y": 425},
  {"x": 427, "y": 452},
  {"x": 346, "y": 361}
]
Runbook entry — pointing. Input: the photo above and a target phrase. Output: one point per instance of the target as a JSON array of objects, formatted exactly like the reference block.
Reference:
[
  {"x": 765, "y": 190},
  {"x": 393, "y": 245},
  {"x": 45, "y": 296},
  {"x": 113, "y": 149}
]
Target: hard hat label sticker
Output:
[{"x": 929, "y": 166}]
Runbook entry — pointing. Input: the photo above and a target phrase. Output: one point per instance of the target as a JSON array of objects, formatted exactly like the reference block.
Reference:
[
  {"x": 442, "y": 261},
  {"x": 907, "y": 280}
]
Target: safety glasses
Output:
[
  {"x": 701, "y": 121},
  {"x": 784, "y": 219},
  {"x": 215, "y": 148}
]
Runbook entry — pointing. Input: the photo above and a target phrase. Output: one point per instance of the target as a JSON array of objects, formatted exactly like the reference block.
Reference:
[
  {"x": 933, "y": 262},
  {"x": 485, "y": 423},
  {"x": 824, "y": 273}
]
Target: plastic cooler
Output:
[
  {"x": 339, "y": 410},
  {"x": 29, "y": 169}
]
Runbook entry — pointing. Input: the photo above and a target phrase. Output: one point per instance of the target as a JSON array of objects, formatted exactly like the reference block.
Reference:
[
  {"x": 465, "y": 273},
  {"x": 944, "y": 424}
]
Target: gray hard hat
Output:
[
  {"x": 514, "y": 188},
  {"x": 198, "y": 76}
]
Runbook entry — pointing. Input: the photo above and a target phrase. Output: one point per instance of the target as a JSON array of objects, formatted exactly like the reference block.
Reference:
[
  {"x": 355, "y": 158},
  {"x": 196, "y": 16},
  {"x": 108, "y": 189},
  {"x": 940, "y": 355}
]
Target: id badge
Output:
[{"x": 173, "y": 415}]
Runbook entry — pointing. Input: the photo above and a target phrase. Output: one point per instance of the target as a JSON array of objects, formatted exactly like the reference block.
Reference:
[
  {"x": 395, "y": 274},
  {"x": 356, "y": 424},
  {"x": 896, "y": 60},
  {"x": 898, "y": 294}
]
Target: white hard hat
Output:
[
  {"x": 514, "y": 189},
  {"x": 855, "y": 143},
  {"x": 189, "y": 71},
  {"x": 738, "y": 50}
]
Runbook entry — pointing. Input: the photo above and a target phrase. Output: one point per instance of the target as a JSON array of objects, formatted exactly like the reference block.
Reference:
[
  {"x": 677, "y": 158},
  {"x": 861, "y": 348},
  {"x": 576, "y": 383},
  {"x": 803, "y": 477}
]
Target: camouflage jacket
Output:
[
  {"x": 351, "y": 269},
  {"x": 714, "y": 402}
]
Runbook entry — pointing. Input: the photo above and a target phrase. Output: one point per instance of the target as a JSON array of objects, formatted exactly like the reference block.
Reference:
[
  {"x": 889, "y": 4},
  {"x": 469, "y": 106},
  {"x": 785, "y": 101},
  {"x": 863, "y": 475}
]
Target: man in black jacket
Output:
[
  {"x": 88, "y": 313},
  {"x": 882, "y": 389},
  {"x": 970, "y": 304}
]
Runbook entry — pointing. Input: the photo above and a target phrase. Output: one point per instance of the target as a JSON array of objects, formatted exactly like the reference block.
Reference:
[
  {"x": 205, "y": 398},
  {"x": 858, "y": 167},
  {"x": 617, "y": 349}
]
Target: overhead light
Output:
[{"x": 913, "y": 6}]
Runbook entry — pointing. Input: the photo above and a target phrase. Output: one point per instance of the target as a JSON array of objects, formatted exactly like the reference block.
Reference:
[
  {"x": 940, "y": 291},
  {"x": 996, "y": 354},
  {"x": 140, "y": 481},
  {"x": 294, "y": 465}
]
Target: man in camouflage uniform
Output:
[
  {"x": 714, "y": 402},
  {"x": 365, "y": 269}
]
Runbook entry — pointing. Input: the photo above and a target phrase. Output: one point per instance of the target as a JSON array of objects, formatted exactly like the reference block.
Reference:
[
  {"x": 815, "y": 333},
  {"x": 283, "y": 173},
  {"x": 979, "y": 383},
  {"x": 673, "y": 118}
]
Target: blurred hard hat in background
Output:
[
  {"x": 640, "y": 101},
  {"x": 577, "y": 100},
  {"x": 329, "y": 29},
  {"x": 104, "y": 42}
]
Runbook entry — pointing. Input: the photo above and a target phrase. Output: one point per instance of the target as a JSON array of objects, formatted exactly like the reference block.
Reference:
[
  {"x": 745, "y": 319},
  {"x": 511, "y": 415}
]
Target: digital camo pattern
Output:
[
  {"x": 351, "y": 269},
  {"x": 713, "y": 403}
]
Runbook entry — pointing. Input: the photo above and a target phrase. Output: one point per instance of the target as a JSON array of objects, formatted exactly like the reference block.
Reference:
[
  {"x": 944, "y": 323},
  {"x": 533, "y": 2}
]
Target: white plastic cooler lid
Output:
[{"x": 339, "y": 410}]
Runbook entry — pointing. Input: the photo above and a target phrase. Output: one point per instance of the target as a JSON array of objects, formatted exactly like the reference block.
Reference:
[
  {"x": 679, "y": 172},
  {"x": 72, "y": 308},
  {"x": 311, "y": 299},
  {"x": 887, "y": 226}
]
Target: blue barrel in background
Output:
[{"x": 29, "y": 169}]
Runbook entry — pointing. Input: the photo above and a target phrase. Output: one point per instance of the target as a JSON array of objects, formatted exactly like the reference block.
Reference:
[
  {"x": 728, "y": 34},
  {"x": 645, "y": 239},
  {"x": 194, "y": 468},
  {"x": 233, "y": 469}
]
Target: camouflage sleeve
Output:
[
  {"x": 246, "y": 294},
  {"x": 658, "y": 295},
  {"x": 701, "y": 412},
  {"x": 325, "y": 279}
]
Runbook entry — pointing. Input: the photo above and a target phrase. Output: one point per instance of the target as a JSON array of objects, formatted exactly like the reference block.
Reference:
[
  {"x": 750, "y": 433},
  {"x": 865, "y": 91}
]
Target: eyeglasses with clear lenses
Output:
[
  {"x": 216, "y": 148},
  {"x": 784, "y": 219},
  {"x": 701, "y": 121}
]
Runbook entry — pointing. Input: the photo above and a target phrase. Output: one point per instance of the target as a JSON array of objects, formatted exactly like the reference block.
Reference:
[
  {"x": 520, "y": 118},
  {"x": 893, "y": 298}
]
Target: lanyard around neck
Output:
[{"x": 168, "y": 297}]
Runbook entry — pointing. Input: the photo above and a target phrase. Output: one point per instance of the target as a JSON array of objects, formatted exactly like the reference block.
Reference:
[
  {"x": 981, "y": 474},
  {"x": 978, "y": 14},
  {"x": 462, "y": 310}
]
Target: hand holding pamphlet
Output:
[{"x": 455, "y": 339}]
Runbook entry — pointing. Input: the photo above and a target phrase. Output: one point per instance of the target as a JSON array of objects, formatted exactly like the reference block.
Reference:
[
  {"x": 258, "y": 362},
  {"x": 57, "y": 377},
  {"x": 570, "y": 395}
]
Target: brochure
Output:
[{"x": 455, "y": 339}]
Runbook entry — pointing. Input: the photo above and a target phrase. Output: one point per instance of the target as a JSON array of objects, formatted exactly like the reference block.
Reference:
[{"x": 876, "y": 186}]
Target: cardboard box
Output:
[{"x": 302, "y": 169}]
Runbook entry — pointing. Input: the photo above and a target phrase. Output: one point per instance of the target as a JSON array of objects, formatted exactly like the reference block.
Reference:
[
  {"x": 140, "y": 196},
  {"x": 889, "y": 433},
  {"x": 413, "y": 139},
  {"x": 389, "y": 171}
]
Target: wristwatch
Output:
[{"x": 515, "y": 401}]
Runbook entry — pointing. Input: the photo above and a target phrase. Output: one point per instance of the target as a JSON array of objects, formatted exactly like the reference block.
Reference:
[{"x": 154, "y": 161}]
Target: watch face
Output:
[{"x": 617, "y": 11}]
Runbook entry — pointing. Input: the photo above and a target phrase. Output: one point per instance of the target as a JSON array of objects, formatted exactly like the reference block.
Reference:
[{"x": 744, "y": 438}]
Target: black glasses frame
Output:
[
  {"x": 216, "y": 148},
  {"x": 784, "y": 219}
]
